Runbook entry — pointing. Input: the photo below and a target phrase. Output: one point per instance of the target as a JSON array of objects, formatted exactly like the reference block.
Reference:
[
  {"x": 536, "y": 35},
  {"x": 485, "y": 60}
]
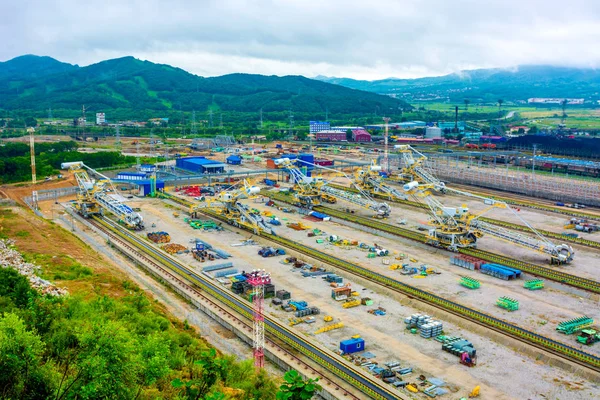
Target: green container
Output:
[
  {"x": 371, "y": 255},
  {"x": 320, "y": 240}
]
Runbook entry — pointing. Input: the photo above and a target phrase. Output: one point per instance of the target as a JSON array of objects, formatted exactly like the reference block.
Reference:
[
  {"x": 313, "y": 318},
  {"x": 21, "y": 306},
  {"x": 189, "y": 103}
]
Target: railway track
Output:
[
  {"x": 534, "y": 269},
  {"x": 523, "y": 201},
  {"x": 201, "y": 286},
  {"x": 559, "y": 349},
  {"x": 517, "y": 227}
]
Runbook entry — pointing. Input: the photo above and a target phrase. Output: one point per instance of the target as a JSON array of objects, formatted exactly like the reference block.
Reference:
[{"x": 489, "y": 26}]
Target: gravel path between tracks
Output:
[{"x": 386, "y": 336}]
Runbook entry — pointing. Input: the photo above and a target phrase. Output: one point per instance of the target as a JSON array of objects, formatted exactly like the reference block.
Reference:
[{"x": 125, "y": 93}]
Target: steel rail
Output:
[
  {"x": 559, "y": 349},
  {"x": 335, "y": 364}
]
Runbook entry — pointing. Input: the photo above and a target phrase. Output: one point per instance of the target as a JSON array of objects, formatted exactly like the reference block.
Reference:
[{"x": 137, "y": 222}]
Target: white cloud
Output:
[{"x": 352, "y": 38}]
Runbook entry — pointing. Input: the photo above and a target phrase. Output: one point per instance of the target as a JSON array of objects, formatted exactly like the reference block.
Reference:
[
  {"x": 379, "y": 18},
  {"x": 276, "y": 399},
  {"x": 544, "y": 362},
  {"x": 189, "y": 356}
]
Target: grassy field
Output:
[{"x": 543, "y": 117}]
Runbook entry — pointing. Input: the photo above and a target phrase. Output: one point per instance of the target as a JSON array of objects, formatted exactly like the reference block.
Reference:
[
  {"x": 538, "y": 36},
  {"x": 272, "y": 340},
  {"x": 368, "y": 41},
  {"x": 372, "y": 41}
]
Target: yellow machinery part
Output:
[
  {"x": 475, "y": 392},
  {"x": 328, "y": 328},
  {"x": 411, "y": 387},
  {"x": 328, "y": 318}
]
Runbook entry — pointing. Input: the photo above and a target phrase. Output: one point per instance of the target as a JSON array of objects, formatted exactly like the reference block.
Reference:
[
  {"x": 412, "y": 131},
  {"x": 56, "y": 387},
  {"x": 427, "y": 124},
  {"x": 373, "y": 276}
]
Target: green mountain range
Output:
[
  {"x": 39, "y": 83},
  {"x": 519, "y": 83}
]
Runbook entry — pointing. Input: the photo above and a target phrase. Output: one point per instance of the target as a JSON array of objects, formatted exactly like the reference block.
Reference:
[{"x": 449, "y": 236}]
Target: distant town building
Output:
[
  {"x": 317, "y": 126},
  {"x": 79, "y": 121},
  {"x": 361, "y": 135},
  {"x": 159, "y": 121},
  {"x": 553, "y": 100},
  {"x": 331, "y": 135},
  {"x": 345, "y": 128},
  {"x": 450, "y": 126},
  {"x": 100, "y": 119}
]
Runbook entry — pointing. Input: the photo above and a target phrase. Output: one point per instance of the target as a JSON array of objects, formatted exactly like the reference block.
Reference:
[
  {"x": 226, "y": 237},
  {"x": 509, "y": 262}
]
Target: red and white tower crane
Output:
[
  {"x": 385, "y": 144},
  {"x": 258, "y": 279}
]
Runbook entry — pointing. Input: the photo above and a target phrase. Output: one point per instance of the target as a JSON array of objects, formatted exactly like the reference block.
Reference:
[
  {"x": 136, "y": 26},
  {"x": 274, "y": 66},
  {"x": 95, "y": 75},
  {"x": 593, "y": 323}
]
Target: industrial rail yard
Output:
[{"x": 396, "y": 272}]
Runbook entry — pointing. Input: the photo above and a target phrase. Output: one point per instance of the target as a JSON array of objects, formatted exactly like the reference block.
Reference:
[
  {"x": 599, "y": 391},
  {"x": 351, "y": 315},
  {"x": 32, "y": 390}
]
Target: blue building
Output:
[
  {"x": 234, "y": 160},
  {"x": 318, "y": 126},
  {"x": 131, "y": 176},
  {"x": 200, "y": 164}
]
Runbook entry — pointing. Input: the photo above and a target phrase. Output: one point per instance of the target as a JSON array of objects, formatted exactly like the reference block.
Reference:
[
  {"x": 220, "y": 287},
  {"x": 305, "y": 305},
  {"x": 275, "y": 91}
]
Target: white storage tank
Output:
[{"x": 433, "y": 132}]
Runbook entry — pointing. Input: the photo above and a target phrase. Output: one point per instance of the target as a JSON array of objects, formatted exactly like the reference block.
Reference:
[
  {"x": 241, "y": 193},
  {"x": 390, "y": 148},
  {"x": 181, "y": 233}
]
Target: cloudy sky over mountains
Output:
[{"x": 360, "y": 39}]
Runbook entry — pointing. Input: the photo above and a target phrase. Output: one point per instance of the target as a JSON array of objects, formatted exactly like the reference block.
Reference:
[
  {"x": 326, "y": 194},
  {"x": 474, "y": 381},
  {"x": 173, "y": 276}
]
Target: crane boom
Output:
[
  {"x": 315, "y": 189},
  {"x": 238, "y": 213},
  {"x": 466, "y": 227},
  {"x": 94, "y": 196}
]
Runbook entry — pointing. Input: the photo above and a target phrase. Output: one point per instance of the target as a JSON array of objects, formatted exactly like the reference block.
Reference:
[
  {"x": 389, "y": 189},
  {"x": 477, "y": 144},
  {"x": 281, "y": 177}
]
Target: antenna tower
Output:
[
  {"x": 50, "y": 113},
  {"x": 258, "y": 279},
  {"x": 326, "y": 114},
  {"x": 385, "y": 144},
  {"x": 221, "y": 121},
  {"x": 210, "y": 119}
]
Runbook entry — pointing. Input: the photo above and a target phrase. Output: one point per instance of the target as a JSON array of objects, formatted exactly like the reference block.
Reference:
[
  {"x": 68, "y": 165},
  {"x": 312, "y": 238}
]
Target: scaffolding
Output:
[{"x": 498, "y": 176}]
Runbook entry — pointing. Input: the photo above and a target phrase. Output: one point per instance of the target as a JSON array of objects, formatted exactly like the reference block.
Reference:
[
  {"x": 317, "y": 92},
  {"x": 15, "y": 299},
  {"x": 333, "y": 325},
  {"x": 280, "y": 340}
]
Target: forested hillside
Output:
[
  {"x": 519, "y": 83},
  {"x": 128, "y": 83}
]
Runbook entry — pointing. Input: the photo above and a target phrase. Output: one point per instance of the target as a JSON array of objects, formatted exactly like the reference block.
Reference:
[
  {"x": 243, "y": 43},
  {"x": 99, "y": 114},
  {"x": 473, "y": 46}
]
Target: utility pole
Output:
[
  {"x": 118, "y": 135},
  {"x": 291, "y": 124},
  {"x": 32, "y": 151},
  {"x": 221, "y": 121},
  {"x": 210, "y": 119},
  {"x": 194, "y": 128},
  {"x": 50, "y": 113},
  {"x": 385, "y": 144},
  {"x": 261, "y": 119},
  {"x": 533, "y": 161},
  {"x": 326, "y": 114}
]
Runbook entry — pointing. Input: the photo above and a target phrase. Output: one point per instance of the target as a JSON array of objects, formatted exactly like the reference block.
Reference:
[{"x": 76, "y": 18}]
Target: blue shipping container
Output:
[{"x": 352, "y": 345}]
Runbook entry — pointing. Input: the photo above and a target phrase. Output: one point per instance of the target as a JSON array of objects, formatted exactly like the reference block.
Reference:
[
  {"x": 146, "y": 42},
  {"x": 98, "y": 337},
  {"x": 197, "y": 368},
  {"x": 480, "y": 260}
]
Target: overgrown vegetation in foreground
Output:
[{"x": 71, "y": 347}]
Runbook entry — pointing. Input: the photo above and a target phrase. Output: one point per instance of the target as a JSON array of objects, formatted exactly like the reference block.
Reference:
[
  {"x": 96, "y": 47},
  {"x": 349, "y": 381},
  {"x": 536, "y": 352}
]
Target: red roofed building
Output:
[
  {"x": 332, "y": 136},
  {"x": 361, "y": 135}
]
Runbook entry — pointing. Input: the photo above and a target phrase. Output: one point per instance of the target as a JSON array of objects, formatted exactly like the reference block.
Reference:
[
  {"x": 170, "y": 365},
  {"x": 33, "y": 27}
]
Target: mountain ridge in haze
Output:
[
  {"x": 38, "y": 83},
  {"x": 518, "y": 83}
]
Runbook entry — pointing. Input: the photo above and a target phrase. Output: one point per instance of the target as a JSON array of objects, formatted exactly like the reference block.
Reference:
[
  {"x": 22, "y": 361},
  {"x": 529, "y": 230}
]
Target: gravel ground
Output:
[{"x": 538, "y": 381}]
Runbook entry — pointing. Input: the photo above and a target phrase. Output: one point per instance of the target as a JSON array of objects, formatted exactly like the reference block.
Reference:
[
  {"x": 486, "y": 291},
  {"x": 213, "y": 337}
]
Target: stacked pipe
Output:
[{"x": 159, "y": 237}]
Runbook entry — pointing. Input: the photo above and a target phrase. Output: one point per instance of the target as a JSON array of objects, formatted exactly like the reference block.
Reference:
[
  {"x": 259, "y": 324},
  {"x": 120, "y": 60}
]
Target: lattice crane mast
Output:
[
  {"x": 413, "y": 168},
  {"x": 369, "y": 180},
  {"x": 96, "y": 196},
  {"x": 456, "y": 227},
  {"x": 318, "y": 188},
  {"x": 258, "y": 279}
]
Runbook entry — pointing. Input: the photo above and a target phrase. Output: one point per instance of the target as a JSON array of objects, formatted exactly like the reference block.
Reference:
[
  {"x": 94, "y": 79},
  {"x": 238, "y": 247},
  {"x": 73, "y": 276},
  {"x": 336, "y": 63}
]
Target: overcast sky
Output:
[{"x": 367, "y": 39}]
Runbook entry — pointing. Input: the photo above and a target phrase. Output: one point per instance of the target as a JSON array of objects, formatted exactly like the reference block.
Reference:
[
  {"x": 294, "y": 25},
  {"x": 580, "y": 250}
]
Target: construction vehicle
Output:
[
  {"x": 456, "y": 227},
  {"x": 588, "y": 336},
  {"x": 95, "y": 196},
  {"x": 468, "y": 360},
  {"x": 314, "y": 191},
  {"x": 228, "y": 204},
  {"x": 270, "y": 252}
]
